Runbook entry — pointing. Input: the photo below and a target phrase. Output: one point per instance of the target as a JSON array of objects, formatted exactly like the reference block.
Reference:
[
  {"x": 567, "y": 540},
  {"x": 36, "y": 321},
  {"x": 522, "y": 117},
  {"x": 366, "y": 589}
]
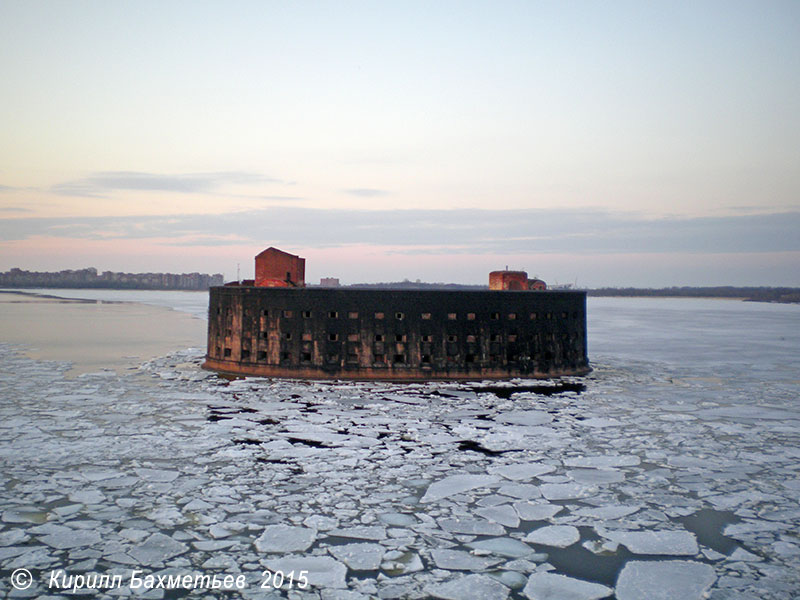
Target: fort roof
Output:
[{"x": 273, "y": 250}]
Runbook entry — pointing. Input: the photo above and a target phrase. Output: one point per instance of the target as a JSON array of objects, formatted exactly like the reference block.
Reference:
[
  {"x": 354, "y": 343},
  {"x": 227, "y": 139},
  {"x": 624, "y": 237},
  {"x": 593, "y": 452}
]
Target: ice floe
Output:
[
  {"x": 502, "y": 547},
  {"x": 456, "y": 484},
  {"x": 559, "y": 536},
  {"x": 360, "y": 556},
  {"x": 525, "y": 417},
  {"x": 529, "y": 511},
  {"x": 669, "y": 543},
  {"x": 458, "y": 560},
  {"x": 605, "y": 461},
  {"x": 664, "y": 580},
  {"x": 472, "y": 526},
  {"x": 607, "y": 513},
  {"x": 565, "y": 491},
  {"x": 522, "y": 471},
  {"x": 469, "y": 586},
  {"x": 156, "y": 549},
  {"x": 552, "y": 586},
  {"x": 503, "y": 514},
  {"x": 321, "y": 571},
  {"x": 285, "y": 538}
]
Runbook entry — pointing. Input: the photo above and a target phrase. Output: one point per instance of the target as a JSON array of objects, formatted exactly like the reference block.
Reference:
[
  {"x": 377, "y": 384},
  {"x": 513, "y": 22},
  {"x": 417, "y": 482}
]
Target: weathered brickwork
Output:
[
  {"x": 396, "y": 335},
  {"x": 276, "y": 268}
]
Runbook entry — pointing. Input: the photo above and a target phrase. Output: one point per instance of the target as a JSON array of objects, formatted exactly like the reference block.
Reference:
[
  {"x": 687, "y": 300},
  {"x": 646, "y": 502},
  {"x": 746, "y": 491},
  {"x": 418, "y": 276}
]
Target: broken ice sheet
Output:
[
  {"x": 332, "y": 594},
  {"x": 672, "y": 543},
  {"x": 503, "y": 514},
  {"x": 471, "y": 526},
  {"x": 397, "y": 519},
  {"x": 565, "y": 491},
  {"x": 285, "y": 538},
  {"x": 596, "y": 476},
  {"x": 523, "y": 491},
  {"x": 522, "y": 471},
  {"x": 320, "y": 522},
  {"x": 12, "y": 537},
  {"x": 525, "y": 417},
  {"x": 607, "y": 512},
  {"x": 600, "y": 547},
  {"x": 87, "y": 497},
  {"x": 157, "y": 475},
  {"x": 559, "y": 536},
  {"x": 458, "y": 560},
  {"x": 365, "y": 532},
  {"x": 469, "y": 586},
  {"x": 456, "y": 484},
  {"x": 503, "y": 546},
  {"x": 360, "y": 556},
  {"x": 400, "y": 563},
  {"x": 528, "y": 511},
  {"x": 156, "y": 549},
  {"x": 321, "y": 571},
  {"x": 552, "y": 586},
  {"x": 743, "y": 555},
  {"x": 664, "y": 580},
  {"x": 599, "y": 422},
  {"x": 605, "y": 461},
  {"x": 71, "y": 538}
]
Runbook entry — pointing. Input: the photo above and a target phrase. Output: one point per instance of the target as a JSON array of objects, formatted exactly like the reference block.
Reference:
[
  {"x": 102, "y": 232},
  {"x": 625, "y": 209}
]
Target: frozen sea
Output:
[{"x": 672, "y": 471}]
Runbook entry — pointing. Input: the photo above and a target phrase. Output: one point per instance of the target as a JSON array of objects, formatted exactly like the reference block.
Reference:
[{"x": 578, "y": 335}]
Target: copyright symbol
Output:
[{"x": 21, "y": 579}]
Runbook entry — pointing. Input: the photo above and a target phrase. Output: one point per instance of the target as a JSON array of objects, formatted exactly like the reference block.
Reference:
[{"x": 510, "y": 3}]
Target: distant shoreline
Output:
[
  {"x": 781, "y": 295},
  {"x": 100, "y": 286},
  {"x": 29, "y": 296}
]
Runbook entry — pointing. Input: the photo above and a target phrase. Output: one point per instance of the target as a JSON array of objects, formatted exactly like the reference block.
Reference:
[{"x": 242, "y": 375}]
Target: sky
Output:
[{"x": 599, "y": 143}]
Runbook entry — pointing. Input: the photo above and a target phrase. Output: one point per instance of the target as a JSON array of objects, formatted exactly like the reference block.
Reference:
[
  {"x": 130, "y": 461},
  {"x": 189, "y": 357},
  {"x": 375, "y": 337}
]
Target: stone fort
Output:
[{"x": 276, "y": 326}]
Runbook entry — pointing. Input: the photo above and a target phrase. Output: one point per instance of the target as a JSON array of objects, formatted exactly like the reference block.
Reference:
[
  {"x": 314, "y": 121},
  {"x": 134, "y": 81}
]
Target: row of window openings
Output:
[
  {"x": 495, "y": 316},
  {"x": 305, "y": 357},
  {"x": 354, "y": 337}
]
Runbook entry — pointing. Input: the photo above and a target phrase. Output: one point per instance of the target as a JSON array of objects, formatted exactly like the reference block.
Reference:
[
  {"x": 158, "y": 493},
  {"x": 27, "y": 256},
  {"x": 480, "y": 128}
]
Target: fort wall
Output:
[{"x": 320, "y": 333}]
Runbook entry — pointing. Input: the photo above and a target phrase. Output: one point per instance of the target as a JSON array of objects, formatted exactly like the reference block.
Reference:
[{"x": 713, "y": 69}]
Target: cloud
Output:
[
  {"x": 83, "y": 188},
  {"x": 99, "y": 184},
  {"x": 457, "y": 231},
  {"x": 366, "y": 192},
  {"x": 283, "y": 198}
]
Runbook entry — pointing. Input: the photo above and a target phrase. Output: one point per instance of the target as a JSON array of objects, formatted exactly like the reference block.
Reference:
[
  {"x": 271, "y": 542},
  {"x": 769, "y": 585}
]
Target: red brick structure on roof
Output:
[
  {"x": 276, "y": 268},
  {"x": 514, "y": 280}
]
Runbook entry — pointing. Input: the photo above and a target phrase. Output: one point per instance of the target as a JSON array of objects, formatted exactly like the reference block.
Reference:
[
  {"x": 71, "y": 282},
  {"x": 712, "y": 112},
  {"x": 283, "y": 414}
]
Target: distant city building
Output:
[
  {"x": 329, "y": 282},
  {"x": 89, "y": 278}
]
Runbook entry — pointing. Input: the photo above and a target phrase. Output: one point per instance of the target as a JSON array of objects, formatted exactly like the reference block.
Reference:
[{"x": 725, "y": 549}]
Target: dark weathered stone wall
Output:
[{"x": 406, "y": 335}]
